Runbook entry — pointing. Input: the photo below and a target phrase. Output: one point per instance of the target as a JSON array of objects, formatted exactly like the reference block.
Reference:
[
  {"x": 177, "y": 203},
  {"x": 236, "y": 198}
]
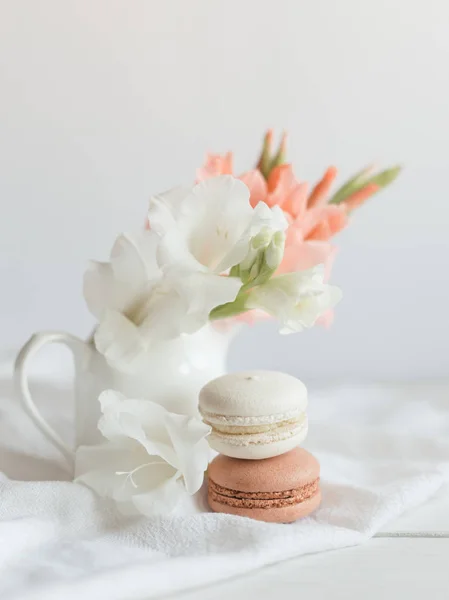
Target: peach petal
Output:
[
  {"x": 305, "y": 255},
  {"x": 227, "y": 164},
  {"x": 329, "y": 263},
  {"x": 294, "y": 236},
  {"x": 327, "y": 318},
  {"x": 321, "y": 232},
  {"x": 216, "y": 164},
  {"x": 306, "y": 221},
  {"x": 256, "y": 184},
  {"x": 281, "y": 182},
  {"x": 320, "y": 191},
  {"x": 296, "y": 203},
  {"x": 360, "y": 196},
  {"x": 281, "y": 178},
  {"x": 248, "y": 318},
  {"x": 323, "y": 223}
]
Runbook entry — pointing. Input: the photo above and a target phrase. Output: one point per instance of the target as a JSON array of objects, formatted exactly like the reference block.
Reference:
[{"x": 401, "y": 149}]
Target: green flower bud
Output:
[
  {"x": 264, "y": 256},
  {"x": 362, "y": 179},
  {"x": 275, "y": 250}
]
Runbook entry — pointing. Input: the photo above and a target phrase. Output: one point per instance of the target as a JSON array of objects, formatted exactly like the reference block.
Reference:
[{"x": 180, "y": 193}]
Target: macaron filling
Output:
[
  {"x": 214, "y": 419},
  {"x": 259, "y": 434},
  {"x": 245, "y": 429},
  {"x": 236, "y": 498}
]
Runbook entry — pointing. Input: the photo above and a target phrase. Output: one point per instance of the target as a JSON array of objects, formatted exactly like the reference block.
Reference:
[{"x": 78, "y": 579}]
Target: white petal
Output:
[
  {"x": 145, "y": 244},
  {"x": 165, "y": 310},
  {"x": 121, "y": 417},
  {"x": 123, "y": 473},
  {"x": 116, "y": 285},
  {"x": 266, "y": 298},
  {"x": 173, "y": 249},
  {"x": 148, "y": 475},
  {"x": 187, "y": 435},
  {"x": 136, "y": 419},
  {"x": 310, "y": 307},
  {"x": 164, "y": 209},
  {"x": 202, "y": 292},
  {"x": 133, "y": 260},
  {"x": 213, "y": 219},
  {"x": 131, "y": 417},
  {"x": 335, "y": 295},
  {"x": 161, "y": 500},
  {"x": 262, "y": 216},
  {"x": 97, "y": 466},
  {"x": 98, "y": 288},
  {"x": 155, "y": 437},
  {"x": 120, "y": 341},
  {"x": 111, "y": 401},
  {"x": 296, "y": 299}
]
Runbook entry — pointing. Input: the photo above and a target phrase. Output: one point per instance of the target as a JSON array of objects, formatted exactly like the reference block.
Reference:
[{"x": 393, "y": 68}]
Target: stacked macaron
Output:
[{"x": 258, "y": 420}]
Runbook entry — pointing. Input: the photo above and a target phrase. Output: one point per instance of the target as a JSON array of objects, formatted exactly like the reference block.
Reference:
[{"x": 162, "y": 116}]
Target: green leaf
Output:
[
  {"x": 280, "y": 156},
  {"x": 235, "y": 271},
  {"x": 350, "y": 186},
  {"x": 230, "y": 309},
  {"x": 386, "y": 177},
  {"x": 360, "y": 180},
  {"x": 265, "y": 158}
]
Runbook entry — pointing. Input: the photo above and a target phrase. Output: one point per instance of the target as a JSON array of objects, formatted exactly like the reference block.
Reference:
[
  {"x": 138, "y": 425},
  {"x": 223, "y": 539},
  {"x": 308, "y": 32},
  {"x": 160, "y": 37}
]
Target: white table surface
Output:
[{"x": 409, "y": 559}]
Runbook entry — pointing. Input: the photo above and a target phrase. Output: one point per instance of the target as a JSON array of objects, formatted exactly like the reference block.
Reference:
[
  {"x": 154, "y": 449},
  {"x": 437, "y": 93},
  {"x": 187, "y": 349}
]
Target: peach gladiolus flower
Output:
[
  {"x": 216, "y": 164},
  {"x": 314, "y": 217},
  {"x": 311, "y": 222}
]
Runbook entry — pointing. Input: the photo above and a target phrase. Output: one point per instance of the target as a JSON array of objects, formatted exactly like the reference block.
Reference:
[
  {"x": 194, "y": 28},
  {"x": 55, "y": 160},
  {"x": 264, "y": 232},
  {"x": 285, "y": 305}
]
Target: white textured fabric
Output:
[{"x": 383, "y": 449}]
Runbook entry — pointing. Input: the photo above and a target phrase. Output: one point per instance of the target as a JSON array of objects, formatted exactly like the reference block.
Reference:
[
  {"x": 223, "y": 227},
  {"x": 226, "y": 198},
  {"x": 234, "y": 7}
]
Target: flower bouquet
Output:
[
  {"x": 243, "y": 248},
  {"x": 227, "y": 250}
]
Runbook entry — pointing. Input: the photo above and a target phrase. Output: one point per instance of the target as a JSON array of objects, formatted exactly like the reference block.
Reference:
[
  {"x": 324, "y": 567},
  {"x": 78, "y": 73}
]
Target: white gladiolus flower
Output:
[
  {"x": 138, "y": 305},
  {"x": 150, "y": 458},
  {"x": 208, "y": 228},
  {"x": 166, "y": 281},
  {"x": 132, "y": 269},
  {"x": 296, "y": 299},
  {"x": 135, "y": 305},
  {"x": 205, "y": 231}
]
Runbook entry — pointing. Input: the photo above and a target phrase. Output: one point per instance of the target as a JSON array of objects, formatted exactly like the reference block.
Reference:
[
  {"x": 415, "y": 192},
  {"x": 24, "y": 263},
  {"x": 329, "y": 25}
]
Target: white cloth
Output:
[{"x": 383, "y": 449}]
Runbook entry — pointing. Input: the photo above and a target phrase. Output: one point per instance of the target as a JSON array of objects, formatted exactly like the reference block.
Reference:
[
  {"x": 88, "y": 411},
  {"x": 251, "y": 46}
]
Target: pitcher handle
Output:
[{"x": 37, "y": 341}]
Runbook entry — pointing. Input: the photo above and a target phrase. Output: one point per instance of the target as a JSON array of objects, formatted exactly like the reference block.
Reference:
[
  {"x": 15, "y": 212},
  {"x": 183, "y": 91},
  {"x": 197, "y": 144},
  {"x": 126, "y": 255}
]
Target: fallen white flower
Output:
[{"x": 150, "y": 457}]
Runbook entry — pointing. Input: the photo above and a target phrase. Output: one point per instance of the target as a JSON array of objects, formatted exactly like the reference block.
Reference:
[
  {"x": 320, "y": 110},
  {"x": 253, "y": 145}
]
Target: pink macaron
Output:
[{"x": 281, "y": 489}]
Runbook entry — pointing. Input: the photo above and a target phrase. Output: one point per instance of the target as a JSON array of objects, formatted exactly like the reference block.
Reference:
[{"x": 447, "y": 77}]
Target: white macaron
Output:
[{"x": 255, "y": 414}]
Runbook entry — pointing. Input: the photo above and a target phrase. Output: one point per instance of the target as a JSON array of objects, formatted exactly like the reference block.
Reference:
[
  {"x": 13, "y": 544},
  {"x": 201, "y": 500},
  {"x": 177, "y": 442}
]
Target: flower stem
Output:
[{"x": 230, "y": 309}]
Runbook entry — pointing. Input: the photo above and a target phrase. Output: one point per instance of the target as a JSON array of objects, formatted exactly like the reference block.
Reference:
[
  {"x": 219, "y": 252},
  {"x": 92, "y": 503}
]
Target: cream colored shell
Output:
[{"x": 254, "y": 394}]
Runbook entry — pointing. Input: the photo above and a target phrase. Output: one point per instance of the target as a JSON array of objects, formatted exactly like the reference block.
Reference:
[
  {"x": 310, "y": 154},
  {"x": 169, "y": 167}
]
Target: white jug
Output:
[{"x": 172, "y": 375}]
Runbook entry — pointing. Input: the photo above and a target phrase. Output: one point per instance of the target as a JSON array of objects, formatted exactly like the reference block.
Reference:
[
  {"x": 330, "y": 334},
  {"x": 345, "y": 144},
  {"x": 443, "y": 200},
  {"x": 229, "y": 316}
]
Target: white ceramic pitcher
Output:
[{"x": 173, "y": 374}]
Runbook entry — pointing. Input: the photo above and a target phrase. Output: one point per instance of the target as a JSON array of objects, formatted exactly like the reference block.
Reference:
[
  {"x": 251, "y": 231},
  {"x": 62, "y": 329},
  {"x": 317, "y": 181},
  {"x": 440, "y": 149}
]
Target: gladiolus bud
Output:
[
  {"x": 264, "y": 256},
  {"x": 265, "y": 158},
  {"x": 279, "y": 157}
]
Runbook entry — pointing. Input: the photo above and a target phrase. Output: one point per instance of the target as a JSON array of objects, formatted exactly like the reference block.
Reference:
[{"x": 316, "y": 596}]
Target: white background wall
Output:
[{"x": 105, "y": 102}]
